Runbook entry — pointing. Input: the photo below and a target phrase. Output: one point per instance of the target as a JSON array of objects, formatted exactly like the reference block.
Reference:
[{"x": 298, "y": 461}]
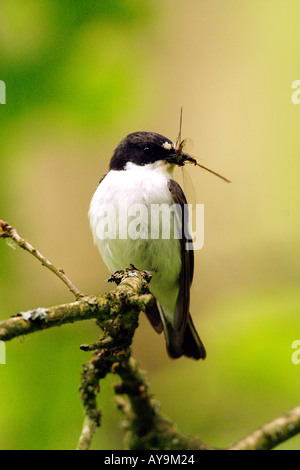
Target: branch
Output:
[
  {"x": 117, "y": 315},
  {"x": 100, "y": 308},
  {"x": 88, "y": 389},
  {"x": 272, "y": 434},
  {"x": 114, "y": 347},
  {"x": 147, "y": 427},
  {"x": 7, "y": 231}
]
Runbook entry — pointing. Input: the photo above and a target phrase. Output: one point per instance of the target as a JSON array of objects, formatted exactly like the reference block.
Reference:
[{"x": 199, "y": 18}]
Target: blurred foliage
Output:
[{"x": 79, "y": 77}]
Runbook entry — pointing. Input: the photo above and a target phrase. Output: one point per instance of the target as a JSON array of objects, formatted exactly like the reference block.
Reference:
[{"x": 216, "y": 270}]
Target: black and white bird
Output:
[{"x": 141, "y": 175}]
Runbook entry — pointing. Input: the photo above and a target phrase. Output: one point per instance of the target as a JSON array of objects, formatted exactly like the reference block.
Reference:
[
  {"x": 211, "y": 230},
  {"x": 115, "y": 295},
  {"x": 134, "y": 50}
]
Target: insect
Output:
[{"x": 182, "y": 157}]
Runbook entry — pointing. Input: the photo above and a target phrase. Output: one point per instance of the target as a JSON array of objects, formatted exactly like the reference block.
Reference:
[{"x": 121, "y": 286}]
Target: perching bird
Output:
[{"x": 123, "y": 214}]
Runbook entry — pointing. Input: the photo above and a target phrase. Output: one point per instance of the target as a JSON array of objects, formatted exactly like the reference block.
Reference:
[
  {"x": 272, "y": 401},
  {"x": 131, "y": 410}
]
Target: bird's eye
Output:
[{"x": 146, "y": 149}]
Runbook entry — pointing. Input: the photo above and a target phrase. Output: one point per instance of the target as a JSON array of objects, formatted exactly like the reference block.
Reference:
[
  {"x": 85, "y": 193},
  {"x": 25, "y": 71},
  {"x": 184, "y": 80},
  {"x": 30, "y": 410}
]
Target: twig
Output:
[
  {"x": 100, "y": 307},
  {"x": 272, "y": 434},
  {"x": 88, "y": 431},
  {"x": 89, "y": 387},
  {"x": 7, "y": 231},
  {"x": 103, "y": 343},
  {"x": 39, "y": 319},
  {"x": 147, "y": 427}
]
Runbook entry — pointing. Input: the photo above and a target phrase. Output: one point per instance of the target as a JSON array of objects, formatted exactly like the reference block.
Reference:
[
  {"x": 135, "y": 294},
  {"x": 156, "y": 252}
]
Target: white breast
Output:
[{"x": 118, "y": 193}]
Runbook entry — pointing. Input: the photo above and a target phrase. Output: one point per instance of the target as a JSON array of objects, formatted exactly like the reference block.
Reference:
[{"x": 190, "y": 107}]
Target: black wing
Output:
[{"x": 187, "y": 265}]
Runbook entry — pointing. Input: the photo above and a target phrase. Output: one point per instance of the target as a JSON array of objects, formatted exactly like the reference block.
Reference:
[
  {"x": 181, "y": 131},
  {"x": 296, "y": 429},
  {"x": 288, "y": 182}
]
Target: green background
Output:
[{"x": 79, "y": 77}]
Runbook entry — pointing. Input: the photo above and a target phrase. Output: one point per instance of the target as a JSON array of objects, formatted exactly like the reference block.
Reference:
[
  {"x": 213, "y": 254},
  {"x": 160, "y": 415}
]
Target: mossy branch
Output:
[
  {"x": 117, "y": 314},
  {"x": 8, "y": 231},
  {"x": 273, "y": 433},
  {"x": 102, "y": 308}
]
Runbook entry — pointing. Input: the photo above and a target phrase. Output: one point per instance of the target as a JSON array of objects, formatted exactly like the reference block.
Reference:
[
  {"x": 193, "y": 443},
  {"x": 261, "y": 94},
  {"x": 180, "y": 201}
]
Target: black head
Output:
[{"x": 142, "y": 148}]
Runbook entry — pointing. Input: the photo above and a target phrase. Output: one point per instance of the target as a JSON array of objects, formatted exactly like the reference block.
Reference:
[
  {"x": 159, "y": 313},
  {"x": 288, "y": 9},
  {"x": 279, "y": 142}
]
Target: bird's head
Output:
[{"x": 143, "y": 148}]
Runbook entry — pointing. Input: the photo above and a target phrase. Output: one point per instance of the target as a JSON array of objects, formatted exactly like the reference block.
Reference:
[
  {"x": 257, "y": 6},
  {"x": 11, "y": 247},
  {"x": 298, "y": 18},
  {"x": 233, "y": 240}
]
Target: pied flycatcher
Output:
[{"x": 140, "y": 176}]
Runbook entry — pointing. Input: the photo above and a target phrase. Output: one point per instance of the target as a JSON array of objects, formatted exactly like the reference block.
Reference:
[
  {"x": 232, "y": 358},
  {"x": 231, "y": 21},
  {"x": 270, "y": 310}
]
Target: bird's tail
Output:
[{"x": 191, "y": 344}]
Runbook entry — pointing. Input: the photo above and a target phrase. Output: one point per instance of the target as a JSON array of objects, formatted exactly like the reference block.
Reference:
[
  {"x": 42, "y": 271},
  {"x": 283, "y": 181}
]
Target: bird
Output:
[{"x": 138, "y": 184}]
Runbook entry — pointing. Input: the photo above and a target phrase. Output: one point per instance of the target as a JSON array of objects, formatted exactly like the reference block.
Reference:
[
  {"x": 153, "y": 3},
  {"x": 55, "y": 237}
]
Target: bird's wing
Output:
[{"x": 187, "y": 266}]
